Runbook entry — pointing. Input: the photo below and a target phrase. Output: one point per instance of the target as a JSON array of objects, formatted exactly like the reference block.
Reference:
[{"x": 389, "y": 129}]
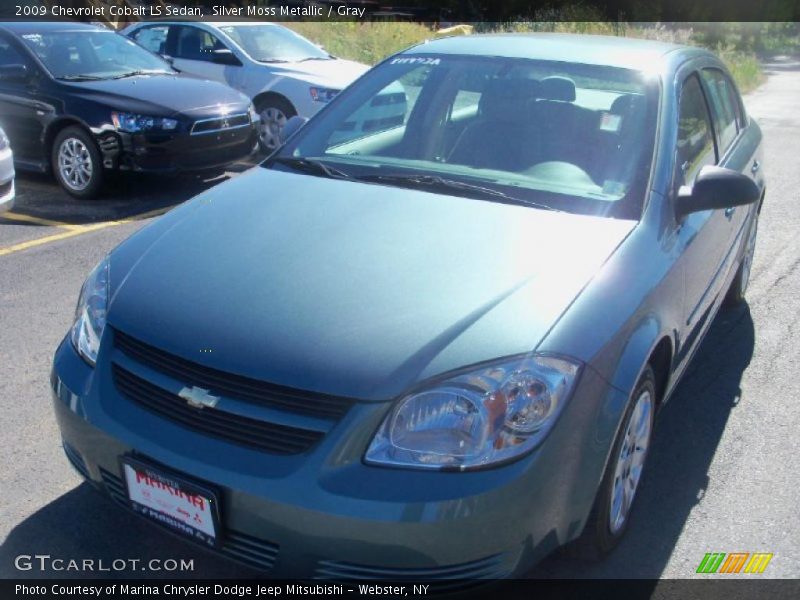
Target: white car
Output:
[
  {"x": 6, "y": 174},
  {"x": 284, "y": 73}
]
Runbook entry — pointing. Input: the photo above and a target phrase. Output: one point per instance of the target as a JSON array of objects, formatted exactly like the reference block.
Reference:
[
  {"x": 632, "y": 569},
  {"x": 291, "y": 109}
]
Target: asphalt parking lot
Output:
[{"x": 723, "y": 475}]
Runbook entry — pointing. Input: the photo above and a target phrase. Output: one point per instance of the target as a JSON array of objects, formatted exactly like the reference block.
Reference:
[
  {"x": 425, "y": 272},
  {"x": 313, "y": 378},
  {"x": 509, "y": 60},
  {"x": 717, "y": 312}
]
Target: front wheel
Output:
[
  {"x": 273, "y": 112},
  {"x": 77, "y": 164},
  {"x": 611, "y": 512}
]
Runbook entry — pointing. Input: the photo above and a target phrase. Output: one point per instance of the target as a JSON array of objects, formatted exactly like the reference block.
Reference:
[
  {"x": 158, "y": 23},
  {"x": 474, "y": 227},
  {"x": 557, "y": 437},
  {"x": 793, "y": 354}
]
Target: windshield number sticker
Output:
[{"x": 415, "y": 61}]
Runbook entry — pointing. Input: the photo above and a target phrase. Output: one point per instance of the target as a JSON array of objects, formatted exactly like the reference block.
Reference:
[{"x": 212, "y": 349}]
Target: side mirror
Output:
[
  {"x": 716, "y": 187},
  {"x": 14, "y": 73},
  {"x": 292, "y": 126},
  {"x": 223, "y": 56}
]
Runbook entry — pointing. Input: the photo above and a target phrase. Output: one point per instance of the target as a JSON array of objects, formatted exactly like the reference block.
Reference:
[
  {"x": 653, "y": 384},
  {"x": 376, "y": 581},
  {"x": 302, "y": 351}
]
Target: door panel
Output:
[
  {"x": 21, "y": 109},
  {"x": 705, "y": 235}
]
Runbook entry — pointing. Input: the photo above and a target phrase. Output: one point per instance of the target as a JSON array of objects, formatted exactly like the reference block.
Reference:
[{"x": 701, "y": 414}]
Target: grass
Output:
[
  {"x": 367, "y": 42},
  {"x": 370, "y": 42}
]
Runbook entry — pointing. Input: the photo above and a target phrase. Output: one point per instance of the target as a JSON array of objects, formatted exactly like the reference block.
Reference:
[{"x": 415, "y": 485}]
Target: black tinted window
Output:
[
  {"x": 695, "y": 142},
  {"x": 725, "y": 104},
  {"x": 196, "y": 44}
]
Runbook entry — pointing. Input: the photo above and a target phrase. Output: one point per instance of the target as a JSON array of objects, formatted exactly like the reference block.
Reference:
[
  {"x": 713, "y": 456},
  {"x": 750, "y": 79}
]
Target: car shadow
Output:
[
  {"x": 687, "y": 433},
  {"x": 82, "y": 524},
  {"x": 123, "y": 196}
]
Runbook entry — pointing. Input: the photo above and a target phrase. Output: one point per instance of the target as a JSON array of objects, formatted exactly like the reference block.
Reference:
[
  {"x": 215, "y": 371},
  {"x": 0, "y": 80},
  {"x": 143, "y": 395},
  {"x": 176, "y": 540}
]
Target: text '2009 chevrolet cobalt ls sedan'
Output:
[{"x": 437, "y": 349}]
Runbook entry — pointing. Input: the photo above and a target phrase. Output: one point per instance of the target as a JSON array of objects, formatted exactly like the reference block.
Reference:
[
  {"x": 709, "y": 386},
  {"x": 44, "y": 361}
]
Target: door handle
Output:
[
  {"x": 756, "y": 166},
  {"x": 729, "y": 211}
]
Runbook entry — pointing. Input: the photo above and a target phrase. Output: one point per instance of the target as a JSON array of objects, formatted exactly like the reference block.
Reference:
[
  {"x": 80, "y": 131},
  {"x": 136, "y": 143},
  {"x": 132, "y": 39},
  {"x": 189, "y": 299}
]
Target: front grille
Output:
[
  {"x": 231, "y": 385},
  {"x": 252, "y": 433},
  {"x": 244, "y": 548},
  {"x": 215, "y": 125},
  {"x": 459, "y": 576}
]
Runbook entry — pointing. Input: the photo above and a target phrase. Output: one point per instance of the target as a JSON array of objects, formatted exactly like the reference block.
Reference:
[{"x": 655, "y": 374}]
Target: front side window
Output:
[
  {"x": 695, "y": 140},
  {"x": 567, "y": 136},
  {"x": 87, "y": 55},
  {"x": 196, "y": 44},
  {"x": 153, "y": 39},
  {"x": 725, "y": 107}
]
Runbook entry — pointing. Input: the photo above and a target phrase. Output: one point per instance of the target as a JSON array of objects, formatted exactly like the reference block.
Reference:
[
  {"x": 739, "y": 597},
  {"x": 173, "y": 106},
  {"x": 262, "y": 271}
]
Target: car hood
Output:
[
  {"x": 163, "y": 95},
  {"x": 349, "y": 288},
  {"x": 336, "y": 73}
]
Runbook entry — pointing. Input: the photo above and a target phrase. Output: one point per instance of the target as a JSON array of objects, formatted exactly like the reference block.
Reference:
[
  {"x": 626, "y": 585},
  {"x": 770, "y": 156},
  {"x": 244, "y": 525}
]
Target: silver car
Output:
[{"x": 6, "y": 174}]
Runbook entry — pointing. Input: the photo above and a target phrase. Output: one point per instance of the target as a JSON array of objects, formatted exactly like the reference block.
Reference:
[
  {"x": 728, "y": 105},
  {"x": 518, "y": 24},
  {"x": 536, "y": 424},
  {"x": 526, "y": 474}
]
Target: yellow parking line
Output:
[
  {"x": 75, "y": 230},
  {"x": 36, "y": 220}
]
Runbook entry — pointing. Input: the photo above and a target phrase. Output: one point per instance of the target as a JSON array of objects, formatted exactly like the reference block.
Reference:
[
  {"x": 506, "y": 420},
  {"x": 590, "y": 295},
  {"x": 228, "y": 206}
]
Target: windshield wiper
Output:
[
  {"x": 315, "y": 58},
  {"x": 441, "y": 183},
  {"x": 80, "y": 78},
  {"x": 141, "y": 72},
  {"x": 309, "y": 165},
  {"x": 272, "y": 60}
]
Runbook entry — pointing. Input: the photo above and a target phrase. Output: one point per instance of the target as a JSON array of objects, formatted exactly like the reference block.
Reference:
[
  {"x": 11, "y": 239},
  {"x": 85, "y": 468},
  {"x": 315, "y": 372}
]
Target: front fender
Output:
[{"x": 638, "y": 349}]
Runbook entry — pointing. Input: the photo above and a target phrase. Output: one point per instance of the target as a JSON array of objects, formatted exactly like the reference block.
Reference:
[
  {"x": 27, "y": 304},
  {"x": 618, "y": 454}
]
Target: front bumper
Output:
[
  {"x": 325, "y": 514},
  {"x": 6, "y": 180},
  {"x": 170, "y": 152}
]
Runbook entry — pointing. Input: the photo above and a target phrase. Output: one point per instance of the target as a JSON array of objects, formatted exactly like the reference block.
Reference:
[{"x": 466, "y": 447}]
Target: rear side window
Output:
[
  {"x": 153, "y": 38},
  {"x": 695, "y": 141},
  {"x": 725, "y": 107}
]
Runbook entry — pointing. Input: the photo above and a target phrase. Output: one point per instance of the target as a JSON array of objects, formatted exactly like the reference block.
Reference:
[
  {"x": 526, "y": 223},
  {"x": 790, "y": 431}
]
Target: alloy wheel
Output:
[
  {"x": 75, "y": 164},
  {"x": 630, "y": 461},
  {"x": 272, "y": 122},
  {"x": 749, "y": 252}
]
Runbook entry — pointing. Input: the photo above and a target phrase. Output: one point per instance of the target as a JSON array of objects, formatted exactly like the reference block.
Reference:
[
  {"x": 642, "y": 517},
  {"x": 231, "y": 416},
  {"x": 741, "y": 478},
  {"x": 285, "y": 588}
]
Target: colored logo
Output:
[{"x": 734, "y": 562}]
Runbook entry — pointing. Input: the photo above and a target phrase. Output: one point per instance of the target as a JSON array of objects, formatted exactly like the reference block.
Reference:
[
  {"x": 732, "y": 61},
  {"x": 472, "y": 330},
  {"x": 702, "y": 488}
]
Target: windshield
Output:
[
  {"x": 566, "y": 136},
  {"x": 87, "y": 55},
  {"x": 273, "y": 43}
]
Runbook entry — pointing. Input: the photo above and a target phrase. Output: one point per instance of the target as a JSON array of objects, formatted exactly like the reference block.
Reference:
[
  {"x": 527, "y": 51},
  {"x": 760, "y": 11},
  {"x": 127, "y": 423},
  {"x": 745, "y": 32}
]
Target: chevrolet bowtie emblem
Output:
[{"x": 198, "y": 397}]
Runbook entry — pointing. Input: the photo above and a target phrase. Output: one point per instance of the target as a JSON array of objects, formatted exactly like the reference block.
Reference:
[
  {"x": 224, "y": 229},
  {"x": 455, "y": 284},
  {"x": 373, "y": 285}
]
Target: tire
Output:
[
  {"x": 77, "y": 163},
  {"x": 738, "y": 290},
  {"x": 603, "y": 531},
  {"x": 274, "y": 111}
]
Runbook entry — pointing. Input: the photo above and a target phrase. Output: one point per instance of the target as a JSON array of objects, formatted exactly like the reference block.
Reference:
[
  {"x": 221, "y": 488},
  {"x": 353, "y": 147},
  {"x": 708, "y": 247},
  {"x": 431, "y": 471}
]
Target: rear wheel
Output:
[
  {"x": 77, "y": 163},
  {"x": 738, "y": 289},
  {"x": 274, "y": 111},
  {"x": 611, "y": 512}
]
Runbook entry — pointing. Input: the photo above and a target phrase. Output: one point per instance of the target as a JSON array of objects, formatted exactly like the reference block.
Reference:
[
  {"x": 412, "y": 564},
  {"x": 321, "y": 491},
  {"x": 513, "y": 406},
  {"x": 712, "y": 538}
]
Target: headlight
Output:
[
  {"x": 320, "y": 94},
  {"x": 4, "y": 143},
  {"x": 90, "y": 314},
  {"x": 132, "y": 123},
  {"x": 488, "y": 416}
]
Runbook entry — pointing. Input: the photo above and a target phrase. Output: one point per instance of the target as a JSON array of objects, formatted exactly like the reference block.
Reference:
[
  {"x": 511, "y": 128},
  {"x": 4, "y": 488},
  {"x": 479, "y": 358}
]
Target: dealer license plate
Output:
[{"x": 182, "y": 506}]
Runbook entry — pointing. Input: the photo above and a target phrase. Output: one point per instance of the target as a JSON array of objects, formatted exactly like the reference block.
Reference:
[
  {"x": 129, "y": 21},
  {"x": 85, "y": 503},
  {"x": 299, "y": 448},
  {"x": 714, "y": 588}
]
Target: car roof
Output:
[
  {"x": 629, "y": 53},
  {"x": 25, "y": 27}
]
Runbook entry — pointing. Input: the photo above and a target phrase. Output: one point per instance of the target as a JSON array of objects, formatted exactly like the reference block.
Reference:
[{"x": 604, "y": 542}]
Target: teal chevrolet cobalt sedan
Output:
[{"x": 432, "y": 348}]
